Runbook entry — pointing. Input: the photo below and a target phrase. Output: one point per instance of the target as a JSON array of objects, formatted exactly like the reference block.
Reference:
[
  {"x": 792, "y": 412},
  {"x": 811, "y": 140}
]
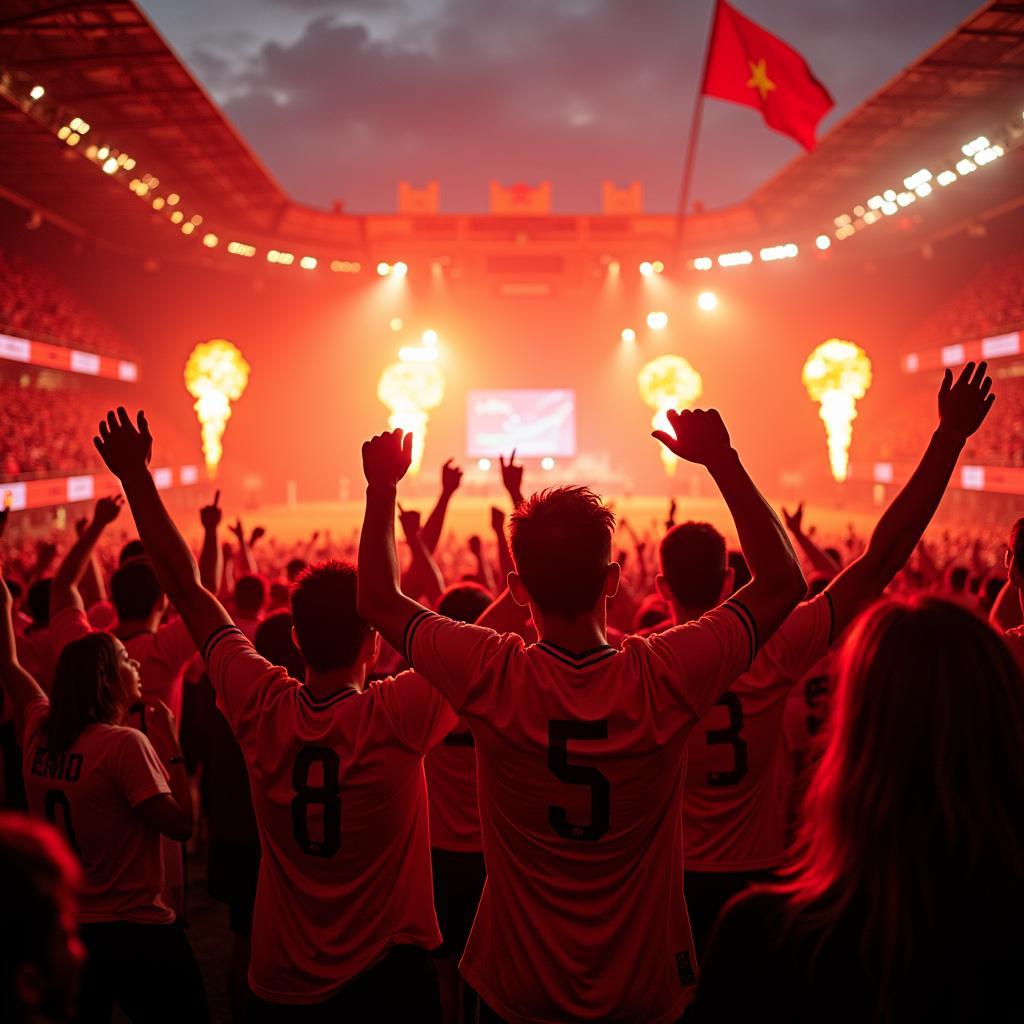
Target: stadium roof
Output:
[{"x": 105, "y": 63}]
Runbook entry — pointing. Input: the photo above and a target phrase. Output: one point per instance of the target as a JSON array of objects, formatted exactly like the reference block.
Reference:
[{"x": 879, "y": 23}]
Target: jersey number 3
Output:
[
  {"x": 326, "y": 796},
  {"x": 560, "y": 731},
  {"x": 730, "y": 735}
]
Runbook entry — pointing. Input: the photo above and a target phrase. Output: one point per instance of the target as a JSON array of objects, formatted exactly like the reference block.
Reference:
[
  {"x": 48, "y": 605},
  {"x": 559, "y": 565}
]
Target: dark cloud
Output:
[{"x": 568, "y": 90}]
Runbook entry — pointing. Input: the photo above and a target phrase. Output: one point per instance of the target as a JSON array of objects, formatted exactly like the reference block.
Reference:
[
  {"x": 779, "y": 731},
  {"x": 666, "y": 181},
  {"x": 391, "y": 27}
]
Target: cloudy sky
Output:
[{"x": 343, "y": 98}]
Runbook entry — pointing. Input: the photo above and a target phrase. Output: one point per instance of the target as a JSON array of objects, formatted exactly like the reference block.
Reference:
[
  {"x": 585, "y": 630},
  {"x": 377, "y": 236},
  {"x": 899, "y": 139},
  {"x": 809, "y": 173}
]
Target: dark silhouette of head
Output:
[
  {"x": 561, "y": 542},
  {"x": 464, "y": 602},
  {"x": 694, "y": 565},
  {"x": 133, "y": 549},
  {"x": 273, "y": 640},
  {"x": 136, "y": 591},
  {"x": 329, "y": 630},
  {"x": 250, "y": 595}
]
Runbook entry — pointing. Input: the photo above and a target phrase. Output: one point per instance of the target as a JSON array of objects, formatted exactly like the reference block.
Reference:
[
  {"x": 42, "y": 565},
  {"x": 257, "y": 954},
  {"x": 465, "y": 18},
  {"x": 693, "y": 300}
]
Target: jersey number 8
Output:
[{"x": 326, "y": 796}]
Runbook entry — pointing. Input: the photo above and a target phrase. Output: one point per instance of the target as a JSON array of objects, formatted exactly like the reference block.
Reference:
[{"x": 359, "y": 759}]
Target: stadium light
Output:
[
  {"x": 37, "y": 93},
  {"x": 210, "y": 240},
  {"x": 628, "y": 335},
  {"x": 395, "y": 323},
  {"x": 703, "y": 263},
  {"x": 823, "y": 242},
  {"x": 646, "y": 268},
  {"x": 308, "y": 263},
  {"x": 429, "y": 337},
  {"x": 483, "y": 465},
  {"x": 547, "y": 463},
  {"x": 241, "y": 249},
  {"x": 707, "y": 301},
  {"x": 383, "y": 269},
  {"x": 400, "y": 269},
  {"x": 735, "y": 259},
  {"x": 657, "y": 321}
]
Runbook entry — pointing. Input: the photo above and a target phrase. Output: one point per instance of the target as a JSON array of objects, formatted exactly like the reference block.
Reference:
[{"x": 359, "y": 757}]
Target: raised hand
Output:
[
  {"x": 964, "y": 405},
  {"x": 80, "y": 524},
  {"x": 211, "y": 515},
  {"x": 699, "y": 435},
  {"x": 512, "y": 476},
  {"x": 257, "y": 533},
  {"x": 124, "y": 447},
  {"x": 160, "y": 729},
  {"x": 451, "y": 477},
  {"x": 475, "y": 546},
  {"x": 238, "y": 530},
  {"x": 497, "y": 519},
  {"x": 387, "y": 457},
  {"x": 794, "y": 520},
  {"x": 410, "y": 520},
  {"x": 107, "y": 510}
]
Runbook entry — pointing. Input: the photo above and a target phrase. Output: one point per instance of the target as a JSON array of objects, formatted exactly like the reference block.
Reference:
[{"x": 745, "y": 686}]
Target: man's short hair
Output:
[
  {"x": 561, "y": 543},
  {"x": 464, "y": 602},
  {"x": 694, "y": 562},
  {"x": 133, "y": 549},
  {"x": 250, "y": 594},
  {"x": 135, "y": 590},
  {"x": 294, "y": 568},
  {"x": 330, "y": 630}
]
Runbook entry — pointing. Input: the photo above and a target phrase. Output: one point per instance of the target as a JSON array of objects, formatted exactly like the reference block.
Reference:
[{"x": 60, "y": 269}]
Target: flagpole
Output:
[{"x": 691, "y": 146}]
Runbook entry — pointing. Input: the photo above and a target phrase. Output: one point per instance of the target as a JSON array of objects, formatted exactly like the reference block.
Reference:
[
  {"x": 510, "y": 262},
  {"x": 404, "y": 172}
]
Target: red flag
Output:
[{"x": 750, "y": 66}]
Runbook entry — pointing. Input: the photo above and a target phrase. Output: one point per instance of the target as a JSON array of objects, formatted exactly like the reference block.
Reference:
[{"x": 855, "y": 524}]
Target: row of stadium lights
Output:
[{"x": 977, "y": 153}]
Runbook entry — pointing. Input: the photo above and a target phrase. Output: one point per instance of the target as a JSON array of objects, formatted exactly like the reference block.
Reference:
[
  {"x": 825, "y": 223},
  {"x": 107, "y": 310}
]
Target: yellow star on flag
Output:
[{"x": 759, "y": 79}]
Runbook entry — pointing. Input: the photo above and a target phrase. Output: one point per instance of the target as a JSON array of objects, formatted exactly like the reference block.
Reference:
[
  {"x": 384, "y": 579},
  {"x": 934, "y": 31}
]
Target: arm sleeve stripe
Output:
[
  {"x": 831, "y": 618},
  {"x": 753, "y": 623},
  {"x": 732, "y": 606},
  {"x": 410, "y": 632},
  {"x": 215, "y": 637}
]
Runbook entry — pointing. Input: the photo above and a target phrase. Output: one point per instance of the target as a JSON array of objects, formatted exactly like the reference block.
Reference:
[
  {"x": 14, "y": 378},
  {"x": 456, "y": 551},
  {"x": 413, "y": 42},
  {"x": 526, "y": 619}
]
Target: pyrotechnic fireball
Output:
[
  {"x": 836, "y": 374},
  {"x": 410, "y": 390},
  {"x": 216, "y": 375},
  {"x": 668, "y": 382}
]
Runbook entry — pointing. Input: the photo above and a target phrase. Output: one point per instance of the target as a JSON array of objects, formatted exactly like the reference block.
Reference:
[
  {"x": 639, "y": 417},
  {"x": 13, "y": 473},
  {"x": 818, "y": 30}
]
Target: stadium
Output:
[{"x": 150, "y": 259}]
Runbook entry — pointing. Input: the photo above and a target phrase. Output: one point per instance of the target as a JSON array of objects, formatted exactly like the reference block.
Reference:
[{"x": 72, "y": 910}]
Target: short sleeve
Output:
[
  {"x": 34, "y": 716},
  {"x": 174, "y": 645},
  {"x": 422, "y": 716},
  {"x": 242, "y": 679},
  {"x": 803, "y": 639},
  {"x": 136, "y": 768},
  {"x": 459, "y": 659},
  {"x": 68, "y": 625},
  {"x": 702, "y": 659}
]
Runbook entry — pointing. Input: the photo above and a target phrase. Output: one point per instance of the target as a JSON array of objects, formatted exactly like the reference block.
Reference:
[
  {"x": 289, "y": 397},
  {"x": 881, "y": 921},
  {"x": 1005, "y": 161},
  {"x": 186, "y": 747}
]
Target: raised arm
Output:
[
  {"x": 424, "y": 577},
  {"x": 64, "y": 589},
  {"x": 777, "y": 584},
  {"x": 430, "y": 534},
  {"x": 505, "y": 562},
  {"x": 512, "y": 478},
  {"x": 962, "y": 408},
  {"x": 816, "y": 558},
  {"x": 126, "y": 450},
  {"x": 246, "y": 562},
  {"x": 91, "y": 586},
  {"x": 211, "y": 564},
  {"x": 18, "y": 684},
  {"x": 381, "y": 602}
]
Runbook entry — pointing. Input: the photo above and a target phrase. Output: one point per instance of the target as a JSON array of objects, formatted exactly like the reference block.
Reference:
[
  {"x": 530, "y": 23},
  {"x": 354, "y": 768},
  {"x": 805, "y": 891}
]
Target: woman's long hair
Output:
[
  {"x": 86, "y": 690},
  {"x": 914, "y": 821}
]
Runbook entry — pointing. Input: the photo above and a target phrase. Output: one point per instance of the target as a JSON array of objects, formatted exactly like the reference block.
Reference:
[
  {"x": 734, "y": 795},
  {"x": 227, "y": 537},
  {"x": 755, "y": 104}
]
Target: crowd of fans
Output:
[
  {"x": 48, "y": 420},
  {"x": 35, "y": 304},
  {"x": 727, "y": 785},
  {"x": 989, "y": 303}
]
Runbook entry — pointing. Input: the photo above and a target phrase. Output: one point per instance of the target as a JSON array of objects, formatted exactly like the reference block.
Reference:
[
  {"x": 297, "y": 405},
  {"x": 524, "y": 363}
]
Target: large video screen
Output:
[{"x": 534, "y": 421}]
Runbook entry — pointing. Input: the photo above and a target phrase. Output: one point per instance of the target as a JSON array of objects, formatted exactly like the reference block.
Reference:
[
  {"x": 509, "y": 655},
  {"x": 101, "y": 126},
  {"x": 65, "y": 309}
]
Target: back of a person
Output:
[
  {"x": 794, "y": 970},
  {"x": 733, "y": 815},
  {"x": 580, "y": 786},
  {"x": 88, "y": 792},
  {"x": 341, "y": 807}
]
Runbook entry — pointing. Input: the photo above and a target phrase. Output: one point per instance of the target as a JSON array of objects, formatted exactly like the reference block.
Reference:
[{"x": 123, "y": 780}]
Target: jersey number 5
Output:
[
  {"x": 560, "y": 731},
  {"x": 730, "y": 735},
  {"x": 326, "y": 796}
]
